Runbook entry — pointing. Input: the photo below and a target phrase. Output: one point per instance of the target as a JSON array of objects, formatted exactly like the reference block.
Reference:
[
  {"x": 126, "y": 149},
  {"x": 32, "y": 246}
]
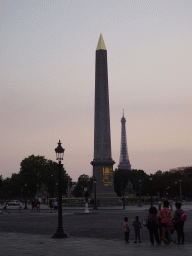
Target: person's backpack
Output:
[
  {"x": 145, "y": 221},
  {"x": 183, "y": 215}
]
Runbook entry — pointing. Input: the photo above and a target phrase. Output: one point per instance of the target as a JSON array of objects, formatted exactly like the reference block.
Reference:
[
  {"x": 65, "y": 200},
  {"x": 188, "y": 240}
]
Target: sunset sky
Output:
[{"x": 47, "y": 81}]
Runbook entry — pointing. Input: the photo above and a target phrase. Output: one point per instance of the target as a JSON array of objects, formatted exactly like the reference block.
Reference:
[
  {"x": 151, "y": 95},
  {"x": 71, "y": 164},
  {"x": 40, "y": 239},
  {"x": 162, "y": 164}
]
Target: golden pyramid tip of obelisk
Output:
[{"x": 101, "y": 44}]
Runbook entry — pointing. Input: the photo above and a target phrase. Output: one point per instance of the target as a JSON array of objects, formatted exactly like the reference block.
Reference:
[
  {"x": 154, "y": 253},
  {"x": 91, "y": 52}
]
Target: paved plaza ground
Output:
[{"x": 99, "y": 232}]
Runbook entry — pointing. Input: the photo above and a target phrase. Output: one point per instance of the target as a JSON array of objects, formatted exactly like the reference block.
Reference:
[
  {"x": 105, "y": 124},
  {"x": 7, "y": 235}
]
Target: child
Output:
[
  {"x": 137, "y": 225},
  {"x": 126, "y": 229}
]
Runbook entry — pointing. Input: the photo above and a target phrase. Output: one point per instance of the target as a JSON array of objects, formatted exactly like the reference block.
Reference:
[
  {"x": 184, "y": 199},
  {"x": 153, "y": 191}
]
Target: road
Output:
[{"x": 104, "y": 223}]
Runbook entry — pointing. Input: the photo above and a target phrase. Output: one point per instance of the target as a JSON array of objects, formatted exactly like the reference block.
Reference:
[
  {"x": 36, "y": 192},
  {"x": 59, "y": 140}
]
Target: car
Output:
[{"x": 13, "y": 202}]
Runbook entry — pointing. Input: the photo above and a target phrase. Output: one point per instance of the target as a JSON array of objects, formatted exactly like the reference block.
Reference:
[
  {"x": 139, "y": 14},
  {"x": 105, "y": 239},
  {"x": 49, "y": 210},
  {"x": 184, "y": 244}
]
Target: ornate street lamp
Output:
[
  {"x": 176, "y": 190},
  {"x": 151, "y": 179},
  {"x": 26, "y": 196},
  {"x": 139, "y": 192},
  {"x": 123, "y": 195},
  {"x": 60, "y": 233},
  {"x": 180, "y": 181},
  {"x": 47, "y": 199},
  {"x": 94, "y": 184}
]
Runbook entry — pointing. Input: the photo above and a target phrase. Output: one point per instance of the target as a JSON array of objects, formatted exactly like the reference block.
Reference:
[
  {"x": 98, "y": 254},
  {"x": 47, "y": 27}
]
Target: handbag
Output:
[{"x": 145, "y": 221}]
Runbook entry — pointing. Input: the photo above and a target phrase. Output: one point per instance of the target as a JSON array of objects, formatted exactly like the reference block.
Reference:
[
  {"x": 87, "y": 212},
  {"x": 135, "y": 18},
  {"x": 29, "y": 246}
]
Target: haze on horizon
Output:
[{"x": 48, "y": 80}]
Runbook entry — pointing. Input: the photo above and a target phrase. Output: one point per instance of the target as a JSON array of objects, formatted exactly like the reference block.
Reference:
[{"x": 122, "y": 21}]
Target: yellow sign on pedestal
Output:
[{"x": 107, "y": 176}]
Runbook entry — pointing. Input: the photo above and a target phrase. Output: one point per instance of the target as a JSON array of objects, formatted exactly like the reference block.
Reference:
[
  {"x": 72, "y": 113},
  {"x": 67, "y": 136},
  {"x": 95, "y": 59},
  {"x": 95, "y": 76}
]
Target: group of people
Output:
[
  {"x": 137, "y": 226},
  {"x": 6, "y": 205},
  {"x": 160, "y": 227},
  {"x": 53, "y": 205},
  {"x": 35, "y": 206}
]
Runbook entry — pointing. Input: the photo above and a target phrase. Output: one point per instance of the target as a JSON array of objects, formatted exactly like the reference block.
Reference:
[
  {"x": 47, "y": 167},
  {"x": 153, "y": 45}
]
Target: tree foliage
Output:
[
  {"x": 167, "y": 184},
  {"x": 36, "y": 173},
  {"x": 163, "y": 184},
  {"x": 122, "y": 177},
  {"x": 84, "y": 181}
]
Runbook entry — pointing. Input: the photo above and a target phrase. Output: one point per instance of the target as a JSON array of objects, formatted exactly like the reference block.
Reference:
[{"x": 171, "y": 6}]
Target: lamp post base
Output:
[{"x": 60, "y": 233}]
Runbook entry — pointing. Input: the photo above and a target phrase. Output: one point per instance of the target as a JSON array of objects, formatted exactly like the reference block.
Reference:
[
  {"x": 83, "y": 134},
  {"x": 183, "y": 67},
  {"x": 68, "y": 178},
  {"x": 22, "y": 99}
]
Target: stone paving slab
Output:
[
  {"x": 16, "y": 243},
  {"x": 19, "y": 244}
]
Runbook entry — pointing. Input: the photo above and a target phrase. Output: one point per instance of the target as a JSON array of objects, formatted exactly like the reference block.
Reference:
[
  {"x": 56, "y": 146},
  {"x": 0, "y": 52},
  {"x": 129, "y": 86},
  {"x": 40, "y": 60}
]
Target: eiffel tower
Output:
[{"x": 124, "y": 159}]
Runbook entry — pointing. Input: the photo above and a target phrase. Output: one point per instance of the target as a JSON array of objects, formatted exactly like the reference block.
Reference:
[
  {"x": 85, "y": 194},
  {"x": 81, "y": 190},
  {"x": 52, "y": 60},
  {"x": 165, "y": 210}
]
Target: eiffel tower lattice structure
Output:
[{"x": 124, "y": 158}]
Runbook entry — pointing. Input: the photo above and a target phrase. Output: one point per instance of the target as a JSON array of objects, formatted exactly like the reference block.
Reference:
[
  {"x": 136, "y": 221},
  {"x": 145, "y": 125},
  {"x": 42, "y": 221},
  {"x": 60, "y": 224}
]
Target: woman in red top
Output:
[{"x": 166, "y": 222}]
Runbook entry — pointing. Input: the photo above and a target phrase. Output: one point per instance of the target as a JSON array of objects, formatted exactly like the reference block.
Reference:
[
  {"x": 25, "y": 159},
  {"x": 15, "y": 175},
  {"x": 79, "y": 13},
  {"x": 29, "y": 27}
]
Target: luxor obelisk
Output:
[{"x": 102, "y": 162}]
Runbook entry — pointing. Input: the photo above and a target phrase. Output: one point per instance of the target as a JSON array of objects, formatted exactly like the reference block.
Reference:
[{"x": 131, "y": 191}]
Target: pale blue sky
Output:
[{"x": 47, "y": 63}]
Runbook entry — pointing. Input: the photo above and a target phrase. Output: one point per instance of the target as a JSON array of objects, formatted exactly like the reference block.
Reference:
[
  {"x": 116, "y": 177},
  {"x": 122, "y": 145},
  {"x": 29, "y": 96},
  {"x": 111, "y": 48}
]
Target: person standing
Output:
[
  {"x": 5, "y": 208},
  {"x": 171, "y": 204},
  {"x": 166, "y": 222},
  {"x": 153, "y": 225},
  {"x": 126, "y": 229},
  {"x": 38, "y": 206},
  {"x": 20, "y": 206},
  {"x": 159, "y": 205},
  {"x": 51, "y": 205},
  {"x": 33, "y": 206},
  {"x": 179, "y": 218},
  {"x": 55, "y": 205},
  {"x": 137, "y": 225}
]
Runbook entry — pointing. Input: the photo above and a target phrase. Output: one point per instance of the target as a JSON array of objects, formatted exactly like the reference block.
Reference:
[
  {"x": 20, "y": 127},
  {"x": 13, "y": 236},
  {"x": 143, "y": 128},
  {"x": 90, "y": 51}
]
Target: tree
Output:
[
  {"x": 36, "y": 174},
  {"x": 37, "y": 171},
  {"x": 1, "y": 183},
  {"x": 122, "y": 177},
  {"x": 84, "y": 181}
]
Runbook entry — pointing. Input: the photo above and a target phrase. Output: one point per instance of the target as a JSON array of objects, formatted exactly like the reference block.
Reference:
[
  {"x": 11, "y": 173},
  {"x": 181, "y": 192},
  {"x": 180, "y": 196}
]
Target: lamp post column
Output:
[
  {"x": 122, "y": 195},
  {"x": 180, "y": 181},
  {"x": 123, "y": 199},
  {"x": 139, "y": 193},
  {"x": 151, "y": 179},
  {"x": 95, "y": 194},
  {"x": 60, "y": 231},
  {"x": 60, "y": 224},
  {"x": 26, "y": 197},
  {"x": 176, "y": 190}
]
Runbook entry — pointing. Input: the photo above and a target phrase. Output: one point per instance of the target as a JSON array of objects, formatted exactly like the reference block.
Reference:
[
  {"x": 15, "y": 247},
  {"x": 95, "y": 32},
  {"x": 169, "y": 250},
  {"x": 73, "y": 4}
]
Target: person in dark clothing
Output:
[
  {"x": 51, "y": 205},
  {"x": 179, "y": 224},
  {"x": 33, "y": 206},
  {"x": 38, "y": 206},
  {"x": 153, "y": 225}
]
